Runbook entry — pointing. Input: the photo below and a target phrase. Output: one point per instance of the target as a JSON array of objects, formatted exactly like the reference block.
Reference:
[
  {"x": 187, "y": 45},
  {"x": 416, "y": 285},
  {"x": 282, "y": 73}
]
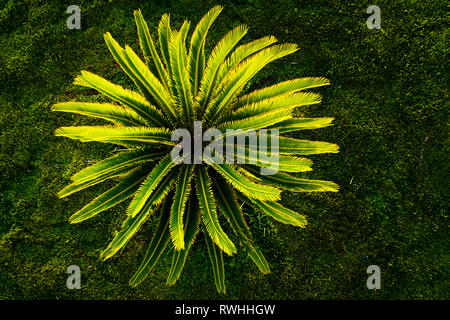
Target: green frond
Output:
[
  {"x": 196, "y": 58},
  {"x": 127, "y": 136},
  {"x": 115, "y": 163},
  {"x": 128, "y": 98},
  {"x": 209, "y": 213},
  {"x": 181, "y": 77},
  {"x": 183, "y": 36},
  {"x": 218, "y": 55},
  {"x": 143, "y": 78},
  {"x": 280, "y": 213},
  {"x": 183, "y": 187},
  {"x": 288, "y": 182},
  {"x": 282, "y": 88},
  {"x": 226, "y": 201},
  {"x": 153, "y": 87},
  {"x": 244, "y": 185},
  {"x": 78, "y": 186},
  {"x": 192, "y": 223},
  {"x": 291, "y": 146},
  {"x": 228, "y": 206},
  {"x": 236, "y": 79},
  {"x": 122, "y": 191},
  {"x": 281, "y": 163},
  {"x": 216, "y": 257},
  {"x": 295, "y": 124},
  {"x": 107, "y": 111},
  {"x": 158, "y": 244},
  {"x": 276, "y": 104},
  {"x": 256, "y": 122},
  {"x": 134, "y": 222},
  {"x": 152, "y": 58},
  {"x": 242, "y": 52},
  {"x": 253, "y": 154},
  {"x": 133, "y": 66},
  {"x": 165, "y": 34},
  {"x": 256, "y": 255},
  {"x": 149, "y": 186},
  {"x": 305, "y": 147}
]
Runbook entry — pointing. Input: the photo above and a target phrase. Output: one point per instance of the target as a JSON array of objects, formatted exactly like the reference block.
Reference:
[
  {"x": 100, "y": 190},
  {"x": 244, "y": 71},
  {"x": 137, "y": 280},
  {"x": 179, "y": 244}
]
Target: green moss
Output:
[{"x": 389, "y": 95}]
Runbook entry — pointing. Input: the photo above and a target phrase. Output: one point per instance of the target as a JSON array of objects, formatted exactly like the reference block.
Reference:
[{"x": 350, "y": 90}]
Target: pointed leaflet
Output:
[
  {"x": 182, "y": 190},
  {"x": 215, "y": 60},
  {"x": 196, "y": 58},
  {"x": 209, "y": 214},
  {"x": 133, "y": 223},
  {"x": 215, "y": 255},
  {"x": 157, "y": 246},
  {"x": 107, "y": 111},
  {"x": 180, "y": 76},
  {"x": 286, "y": 87},
  {"x": 148, "y": 47},
  {"x": 128, "y": 98},
  {"x": 191, "y": 222},
  {"x": 125, "y": 189},
  {"x": 150, "y": 184}
]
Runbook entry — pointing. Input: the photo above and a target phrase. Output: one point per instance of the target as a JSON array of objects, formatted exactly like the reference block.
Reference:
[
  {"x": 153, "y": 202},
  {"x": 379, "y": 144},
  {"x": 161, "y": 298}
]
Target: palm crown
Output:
[{"x": 177, "y": 87}]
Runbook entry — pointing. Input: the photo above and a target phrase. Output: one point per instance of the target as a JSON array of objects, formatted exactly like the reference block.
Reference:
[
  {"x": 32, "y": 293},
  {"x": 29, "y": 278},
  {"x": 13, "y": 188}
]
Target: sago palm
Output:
[{"x": 177, "y": 87}]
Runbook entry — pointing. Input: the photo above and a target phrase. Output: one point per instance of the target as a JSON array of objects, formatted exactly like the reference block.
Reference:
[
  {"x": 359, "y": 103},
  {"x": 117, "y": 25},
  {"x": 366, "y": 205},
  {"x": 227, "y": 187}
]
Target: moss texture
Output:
[{"x": 389, "y": 95}]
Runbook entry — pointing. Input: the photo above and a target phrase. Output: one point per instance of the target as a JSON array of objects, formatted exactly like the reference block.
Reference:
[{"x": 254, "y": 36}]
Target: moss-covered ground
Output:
[{"x": 389, "y": 95}]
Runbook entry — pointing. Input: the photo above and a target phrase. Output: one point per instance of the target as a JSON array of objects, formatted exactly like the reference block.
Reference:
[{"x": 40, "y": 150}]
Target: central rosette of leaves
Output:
[{"x": 178, "y": 87}]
